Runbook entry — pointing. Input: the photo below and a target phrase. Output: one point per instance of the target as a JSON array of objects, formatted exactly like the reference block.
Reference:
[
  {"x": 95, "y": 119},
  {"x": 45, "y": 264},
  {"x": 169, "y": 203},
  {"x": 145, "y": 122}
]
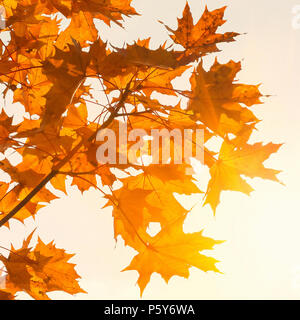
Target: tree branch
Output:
[{"x": 57, "y": 167}]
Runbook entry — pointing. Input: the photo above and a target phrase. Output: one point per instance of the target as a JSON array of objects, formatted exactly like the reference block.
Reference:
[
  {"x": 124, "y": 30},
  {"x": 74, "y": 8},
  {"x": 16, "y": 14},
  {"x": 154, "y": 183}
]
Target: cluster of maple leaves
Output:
[{"x": 46, "y": 67}]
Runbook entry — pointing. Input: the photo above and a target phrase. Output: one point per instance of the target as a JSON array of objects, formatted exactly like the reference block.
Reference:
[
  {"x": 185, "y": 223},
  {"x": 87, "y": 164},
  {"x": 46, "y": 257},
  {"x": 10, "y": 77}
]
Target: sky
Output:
[{"x": 261, "y": 256}]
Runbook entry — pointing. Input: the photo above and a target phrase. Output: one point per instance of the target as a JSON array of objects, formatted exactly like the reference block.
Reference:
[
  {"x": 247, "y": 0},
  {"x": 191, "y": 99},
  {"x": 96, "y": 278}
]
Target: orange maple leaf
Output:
[
  {"x": 40, "y": 271},
  {"x": 236, "y": 161},
  {"x": 172, "y": 252}
]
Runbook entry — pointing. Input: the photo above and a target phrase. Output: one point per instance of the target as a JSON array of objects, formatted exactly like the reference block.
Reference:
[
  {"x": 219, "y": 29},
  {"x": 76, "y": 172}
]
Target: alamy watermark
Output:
[{"x": 159, "y": 146}]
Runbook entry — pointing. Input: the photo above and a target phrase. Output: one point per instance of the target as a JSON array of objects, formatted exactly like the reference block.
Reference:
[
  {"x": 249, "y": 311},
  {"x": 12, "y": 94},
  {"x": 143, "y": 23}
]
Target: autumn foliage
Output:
[{"x": 45, "y": 68}]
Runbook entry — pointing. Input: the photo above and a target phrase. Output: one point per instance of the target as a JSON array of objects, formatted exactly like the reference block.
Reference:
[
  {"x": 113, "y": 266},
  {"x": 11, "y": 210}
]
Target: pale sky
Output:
[{"x": 261, "y": 255}]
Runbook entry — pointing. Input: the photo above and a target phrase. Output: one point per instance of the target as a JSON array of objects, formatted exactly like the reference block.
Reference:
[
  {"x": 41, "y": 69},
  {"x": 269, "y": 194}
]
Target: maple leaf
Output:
[
  {"x": 236, "y": 161},
  {"x": 81, "y": 29},
  {"x": 32, "y": 96},
  {"x": 200, "y": 38},
  {"x": 172, "y": 252},
  {"x": 106, "y": 10},
  {"x": 216, "y": 100},
  {"x": 81, "y": 13},
  {"x": 148, "y": 197},
  {"x": 68, "y": 69},
  {"x": 131, "y": 210},
  {"x": 76, "y": 117},
  {"x": 41, "y": 270}
]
